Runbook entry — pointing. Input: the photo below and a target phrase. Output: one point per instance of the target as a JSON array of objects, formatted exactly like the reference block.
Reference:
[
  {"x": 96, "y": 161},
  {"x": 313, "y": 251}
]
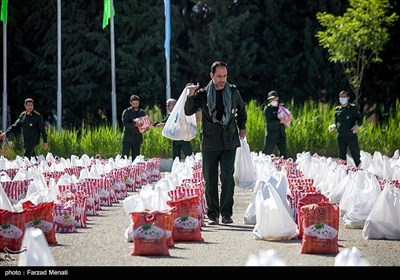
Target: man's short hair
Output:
[
  {"x": 134, "y": 97},
  {"x": 28, "y": 100},
  {"x": 218, "y": 64}
]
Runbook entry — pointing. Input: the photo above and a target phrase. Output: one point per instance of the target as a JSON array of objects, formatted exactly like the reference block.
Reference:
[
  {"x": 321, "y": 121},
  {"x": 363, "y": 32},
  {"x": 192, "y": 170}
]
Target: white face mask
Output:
[
  {"x": 274, "y": 103},
  {"x": 343, "y": 100}
]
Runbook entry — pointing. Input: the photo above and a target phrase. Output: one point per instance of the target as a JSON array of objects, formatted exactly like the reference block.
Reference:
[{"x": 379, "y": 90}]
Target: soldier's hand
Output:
[{"x": 355, "y": 129}]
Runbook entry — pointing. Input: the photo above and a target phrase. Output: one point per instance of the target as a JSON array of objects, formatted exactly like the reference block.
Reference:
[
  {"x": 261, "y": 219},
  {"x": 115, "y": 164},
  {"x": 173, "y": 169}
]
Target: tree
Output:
[
  {"x": 218, "y": 30},
  {"x": 357, "y": 38},
  {"x": 267, "y": 44}
]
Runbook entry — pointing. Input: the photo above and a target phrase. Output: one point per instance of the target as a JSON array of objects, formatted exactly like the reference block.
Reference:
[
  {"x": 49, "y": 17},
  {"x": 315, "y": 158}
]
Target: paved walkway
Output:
[{"x": 102, "y": 243}]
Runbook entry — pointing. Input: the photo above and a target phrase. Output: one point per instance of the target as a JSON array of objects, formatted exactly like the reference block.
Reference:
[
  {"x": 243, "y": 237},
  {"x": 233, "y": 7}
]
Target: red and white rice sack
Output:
[
  {"x": 64, "y": 216},
  {"x": 187, "y": 226},
  {"x": 41, "y": 216},
  {"x": 143, "y": 123},
  {"x": 149, "y": 233},
  {"x": 12, "y": 228},
  {"x": 16, "y": 190},
  {"x": 308, "y": 198},
  {"x": 321, "y": 228}
]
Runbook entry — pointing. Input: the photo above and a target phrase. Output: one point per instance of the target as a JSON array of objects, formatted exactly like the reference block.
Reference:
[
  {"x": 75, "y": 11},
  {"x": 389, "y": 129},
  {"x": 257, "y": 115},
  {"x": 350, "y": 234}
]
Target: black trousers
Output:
[
  {"x": 181, "y": 146},
  {"x": 29, "y": 149},
  {"x": 350, "y": 142},
  {"x": 270, "y": 143},
  {"x": 225, "y": 160},
  {"x": 130, "y": 148}
]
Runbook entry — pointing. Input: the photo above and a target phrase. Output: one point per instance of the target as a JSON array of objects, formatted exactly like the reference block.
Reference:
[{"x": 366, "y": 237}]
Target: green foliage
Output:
[
  {"x": 103, "y": 140},
  {"x": 63, "y": 144},
  {"x": 308, "y": 131},
  {"x": 12, "y": 147},
  {"x": 255, "y": 126},
  {"x": 357, "y": 38},
  {"x": 382, "y": 137},
  {"x": 267, "y": 44},
  {"x": 155, "y": 145}
]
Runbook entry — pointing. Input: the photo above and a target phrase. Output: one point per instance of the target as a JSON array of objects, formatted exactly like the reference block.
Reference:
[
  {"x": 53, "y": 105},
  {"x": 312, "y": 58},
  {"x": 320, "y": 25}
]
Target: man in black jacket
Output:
[
  {"x": 32, "y": 125},
  {"x": 275, "y": 134},
  {"x": 132, "y": 139},
  {"x": 347, "y": 121},
  {"x": 223, "y": 122}
]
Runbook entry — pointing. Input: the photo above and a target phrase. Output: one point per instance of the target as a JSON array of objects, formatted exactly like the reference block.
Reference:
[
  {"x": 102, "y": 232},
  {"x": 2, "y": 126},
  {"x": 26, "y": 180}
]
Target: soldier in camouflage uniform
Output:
[
  {"x": 32, "y": 125},
  {"x": 347, "y": 121}
]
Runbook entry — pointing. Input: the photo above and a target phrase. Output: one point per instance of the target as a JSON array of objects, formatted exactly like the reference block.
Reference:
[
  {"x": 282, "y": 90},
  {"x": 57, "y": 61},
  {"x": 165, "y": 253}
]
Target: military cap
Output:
[{"x": 272, "y": 94}]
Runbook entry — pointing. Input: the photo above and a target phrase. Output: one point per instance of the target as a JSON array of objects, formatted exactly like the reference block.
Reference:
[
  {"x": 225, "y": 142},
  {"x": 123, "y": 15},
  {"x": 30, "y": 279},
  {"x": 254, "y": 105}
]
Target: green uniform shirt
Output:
[
  {"x": 346, "y": 118},
  {"x": 32, "y": 127}
]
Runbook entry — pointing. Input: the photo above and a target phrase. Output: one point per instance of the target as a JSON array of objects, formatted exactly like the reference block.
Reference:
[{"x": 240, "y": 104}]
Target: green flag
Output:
[
  {"x": 4, "y": 11},
  {"x": 108, "y": 12}
]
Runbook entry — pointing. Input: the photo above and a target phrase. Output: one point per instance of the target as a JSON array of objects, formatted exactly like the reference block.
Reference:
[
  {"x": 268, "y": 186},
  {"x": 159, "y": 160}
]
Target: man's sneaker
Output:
[
  {"x": 227, "y": 220},
  {"x": 213, "y": 222}
]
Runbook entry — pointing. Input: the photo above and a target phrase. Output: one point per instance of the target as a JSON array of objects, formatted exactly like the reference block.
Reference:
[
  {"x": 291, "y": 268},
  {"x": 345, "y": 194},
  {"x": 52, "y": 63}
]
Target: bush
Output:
[{"x": 308, "y": 131}]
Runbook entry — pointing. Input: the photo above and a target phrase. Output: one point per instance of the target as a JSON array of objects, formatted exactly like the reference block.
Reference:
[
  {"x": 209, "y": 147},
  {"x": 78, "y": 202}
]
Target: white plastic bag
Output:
[
  {"x": 265, "y": 258},
  {"x": 37, "y": 249},
  {"x": 179, "y": 126},
  {"x": 383, "y": 222},
  {"x": 249, "y": 217},
  {"x": 5, "y": 202},
  {"x": 363, "y": 198},
  {"x": 273, "y": 222},
  {"x": 245, "y": 174},
  {"x": 350, "y": 257}
]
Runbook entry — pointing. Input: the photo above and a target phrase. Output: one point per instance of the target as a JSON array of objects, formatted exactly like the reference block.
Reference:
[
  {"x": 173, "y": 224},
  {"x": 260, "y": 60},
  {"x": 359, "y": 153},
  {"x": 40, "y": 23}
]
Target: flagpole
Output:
[
  {"x": 113, "y": 87},
  {"x": 5, "y": 107},
  {"x": 168, "y": 86},
  {"x": 59, "y": 94},
  {"x": 167, "y": 12}
]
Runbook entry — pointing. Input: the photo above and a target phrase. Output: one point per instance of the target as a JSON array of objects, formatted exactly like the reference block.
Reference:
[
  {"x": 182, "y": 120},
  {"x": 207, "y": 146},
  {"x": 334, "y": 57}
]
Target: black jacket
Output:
[
  {"x": 32, "y": 127},
  {"x": 131, "y": 132},
  {"x": 346, "y": 118},
  {"x": 215, "y": 136},
  {"x": 274, "y": 127}
]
